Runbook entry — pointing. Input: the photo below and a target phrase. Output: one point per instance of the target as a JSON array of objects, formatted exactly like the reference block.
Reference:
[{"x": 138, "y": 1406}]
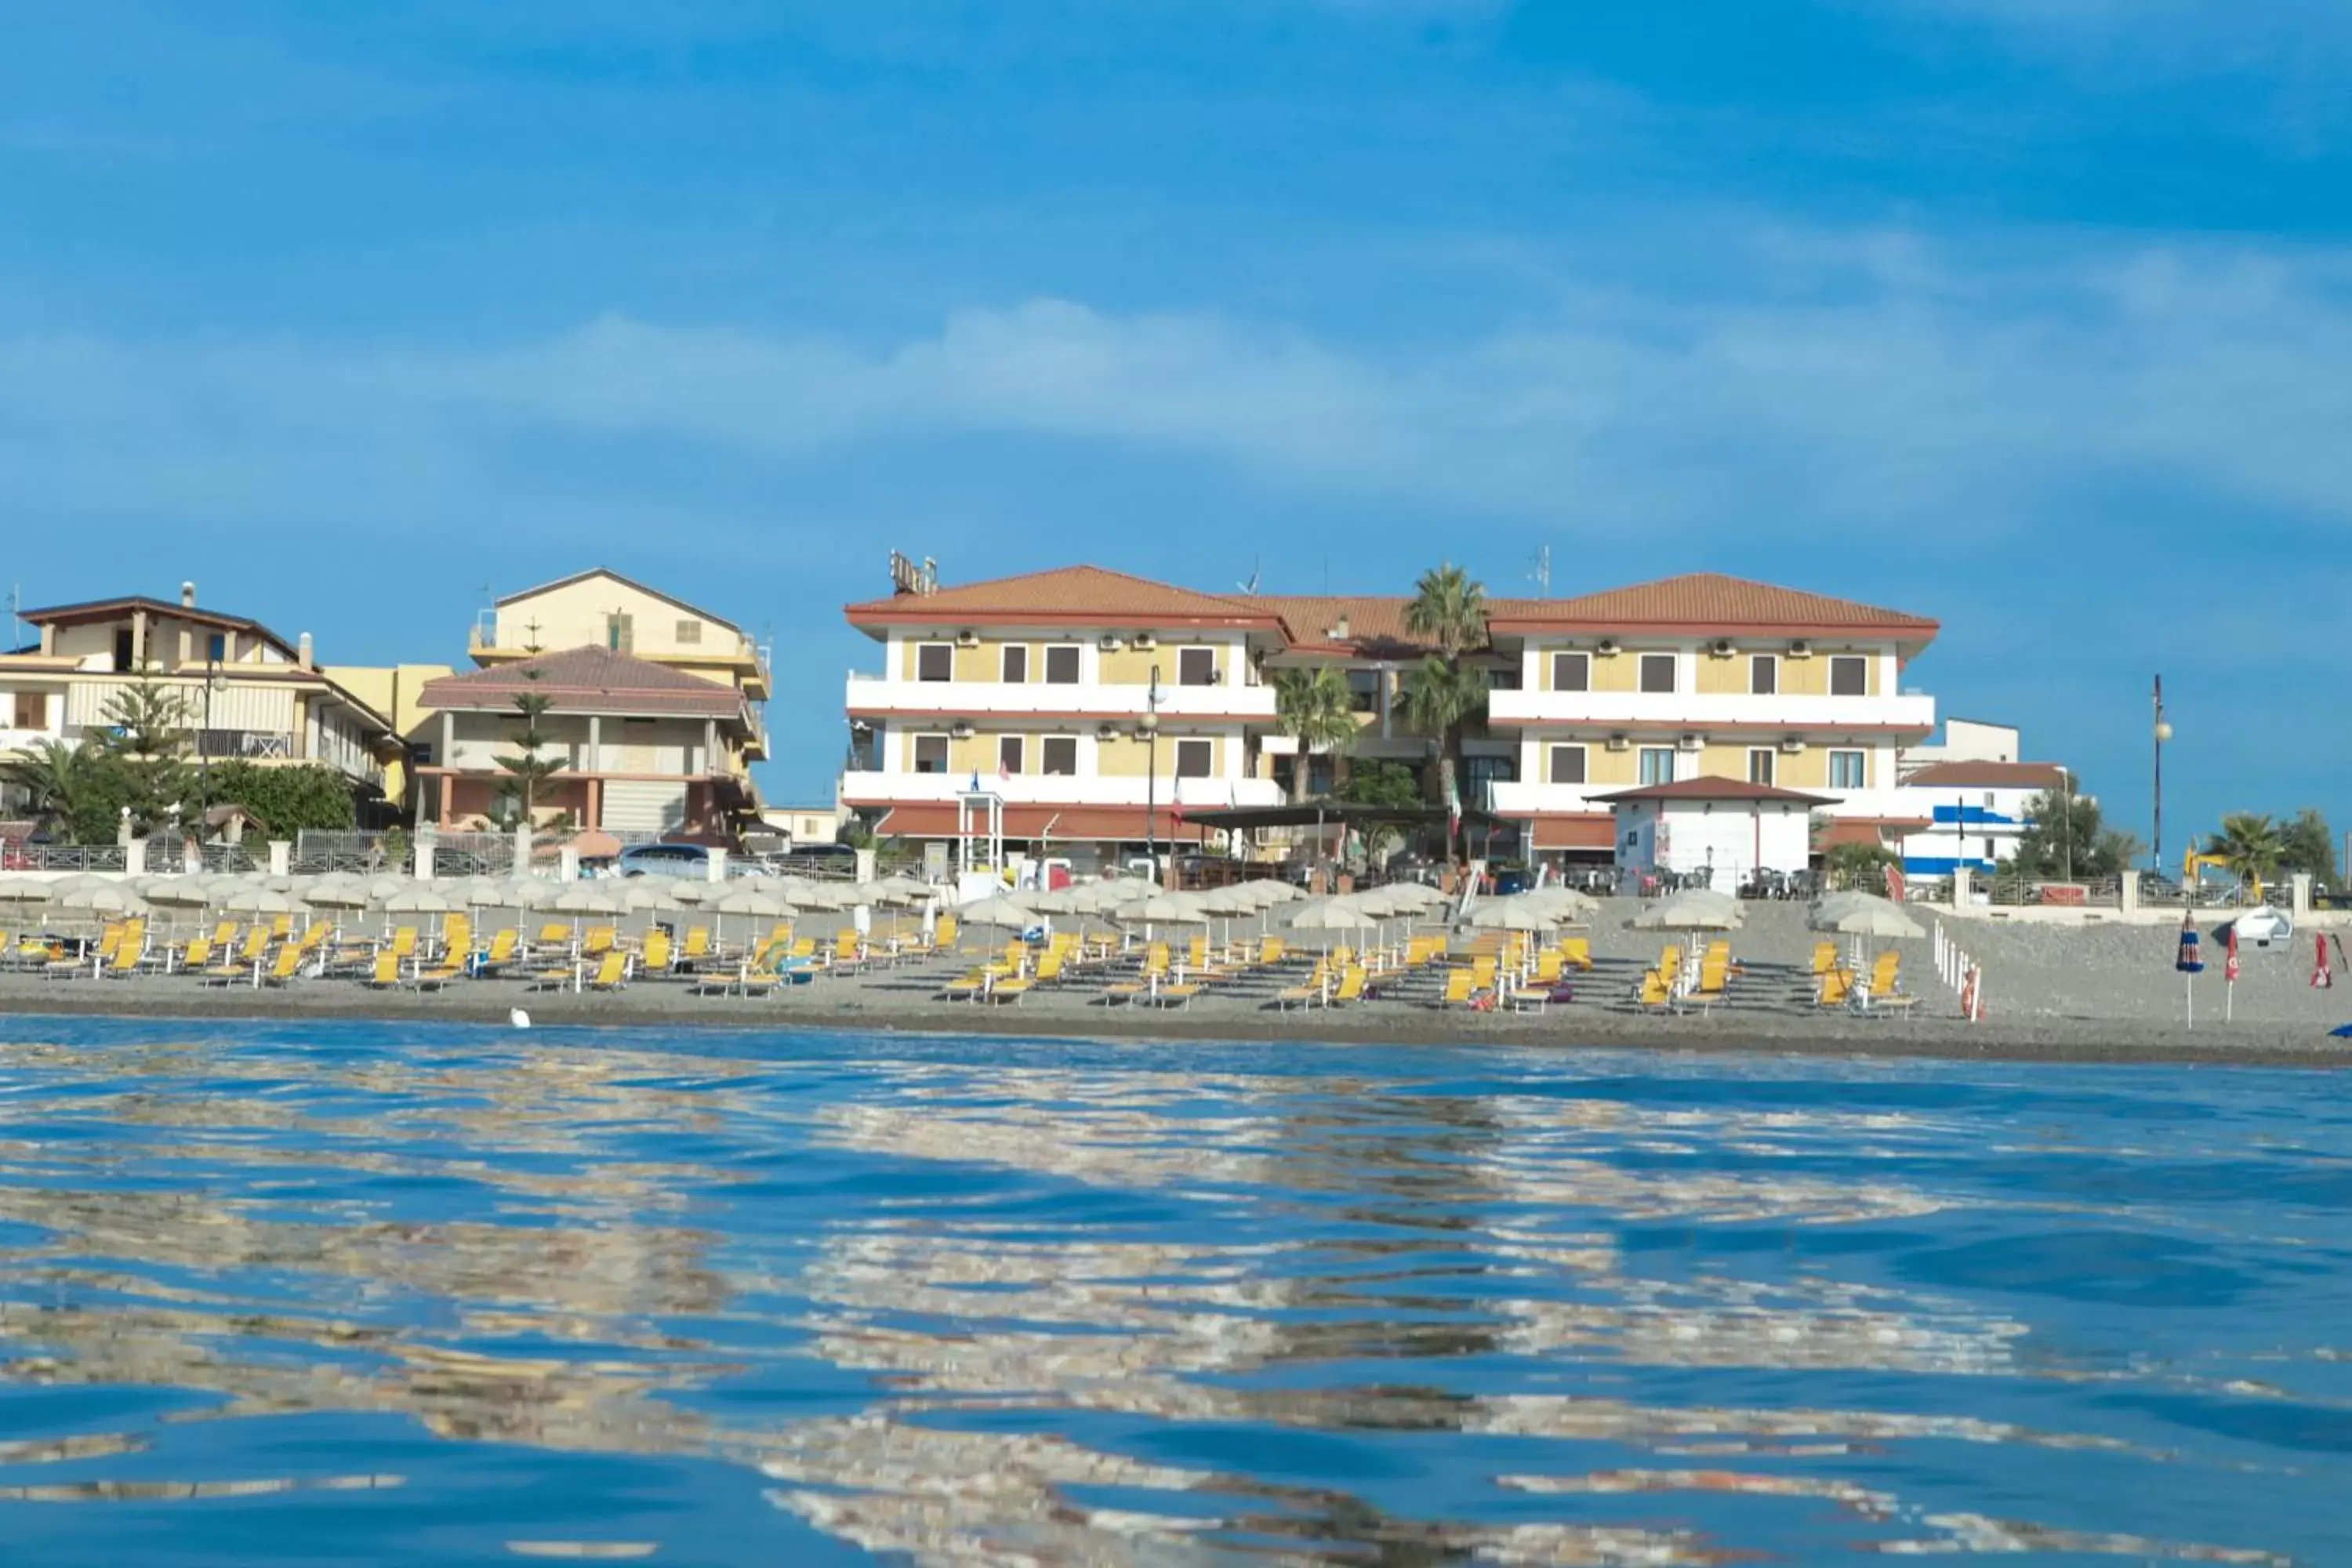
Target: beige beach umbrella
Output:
[
  {"x": 179, "y": 892},
  {"x": 1866, "y": 916},
  {"x": 419, "y": 899},
  {"x": 385, "y": 885},
  {"x": 586, "y": 898},
  {"x": 1512, "y": 914},
  {"x": 905, "y": 889},
  {"x": 333, "y": 895},
  {"x": 1330, "y": 918},
  {"x": 258, "y": 901},
  {"x": 114, "y": 900},
  {"x": 530, "y": 892},
  {"x": 649, "y": 893},
  {"x": 690, "y": 892},
  {"x": 1008, "y": 913},
  {"x": 1574, "y": 904},
  {"x": 24, "y": 890},
  {"x": 1695, "y": 911},
  {"x": 752, "y": 901},
  {"x": 81, "y": 880},
  {"x": 1165, "y": 908}
]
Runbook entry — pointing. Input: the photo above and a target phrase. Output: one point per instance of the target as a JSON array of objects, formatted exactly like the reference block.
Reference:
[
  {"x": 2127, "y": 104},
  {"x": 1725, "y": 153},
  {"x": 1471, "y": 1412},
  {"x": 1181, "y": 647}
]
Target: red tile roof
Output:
[
  {"x": 1074, "y": 595},
  {"x": 1989, "y": 775},
  {"x": 1705, "y": 601},
  {"x": 586, "y": 679},
  {"x": 1572, "y": 830},
  {"x": 1706, "y": 787}
]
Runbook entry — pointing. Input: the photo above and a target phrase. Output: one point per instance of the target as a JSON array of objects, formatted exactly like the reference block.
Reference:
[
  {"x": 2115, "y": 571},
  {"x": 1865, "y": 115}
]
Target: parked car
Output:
[{"x": 688, "y": 860}]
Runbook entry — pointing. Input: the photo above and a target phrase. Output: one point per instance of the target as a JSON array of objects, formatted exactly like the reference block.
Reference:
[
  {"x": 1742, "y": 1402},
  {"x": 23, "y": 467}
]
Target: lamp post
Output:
[
  {"x": 2163, "y": 732},
  {"x": 2066, "y": 820},
  {"x": 1149, "y": 726}
]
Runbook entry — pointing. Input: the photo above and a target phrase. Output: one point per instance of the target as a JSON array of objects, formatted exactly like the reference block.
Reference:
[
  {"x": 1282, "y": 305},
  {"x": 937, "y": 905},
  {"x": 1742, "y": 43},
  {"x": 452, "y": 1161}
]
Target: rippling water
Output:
[{"x": 374, "y": 1295}]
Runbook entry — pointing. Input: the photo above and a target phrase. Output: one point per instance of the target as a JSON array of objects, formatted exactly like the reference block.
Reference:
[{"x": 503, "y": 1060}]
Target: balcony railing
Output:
[
  {"x": 983, "y": 699},
  {"x": 1055, "y": 789},
  {"x": 249, "y": 744},
  {"x": 1701, "y": 711}
]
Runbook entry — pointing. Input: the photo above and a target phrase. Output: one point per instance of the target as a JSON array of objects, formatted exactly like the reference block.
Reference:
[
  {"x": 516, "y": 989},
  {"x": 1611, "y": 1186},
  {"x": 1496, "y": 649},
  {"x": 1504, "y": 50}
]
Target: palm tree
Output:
[
  {"x": 1315, "y": 708},
  {"x": 1440, "y": 698},
  {"x": 2249, "y": 845},
  {"x": 50, "y": 774},
  {"x": 1448, "y": 611}
]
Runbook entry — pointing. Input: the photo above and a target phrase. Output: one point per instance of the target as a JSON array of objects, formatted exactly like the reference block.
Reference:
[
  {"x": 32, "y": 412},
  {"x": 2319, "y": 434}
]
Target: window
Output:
[
  {"x": 934, "y": 661},
  {"x": 931, "y": 754},
  {"x": 1988, "y": 854},
  {"x": 1848, "y": 770},
  {"x": 32, "y": 711},
  {"x": 1849, "y": 676},
  {"x": 1763, "y": 674},
  {"x": 1364, "y": 690},
  {"x": 1062, "y": 665},
  {"x": 1016, "y": 664},
  {"x": 1058, "y": 755},
  {"x": 1008, "y": 754},
  {"x": 620, "y": 633},
  {"x": 1759, "y": 767},
  {"x": 1196, "y": 666},
  {"x": 1658, "y": 671},
  {"x": 1657, "y": 764},
  {"x": 690, "y": 634},
  {"x": 1195, "y": 759},
  {"x": 1567, "y": 765},
  {"x": 216, "y": 649},
  {"x": 1571, "y": 672},
  {"x": 123, "y": 659}
]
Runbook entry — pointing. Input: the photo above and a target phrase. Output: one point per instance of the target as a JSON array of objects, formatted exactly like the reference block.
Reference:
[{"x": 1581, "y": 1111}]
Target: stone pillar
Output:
[
  {"x": 567, "y": 863},
  {"x": 428, "y": 840},
  {"x": 282, "y": 857},
  {"x": 866, "y": 865},
  {"x": 134, "y": 857},
  {"x": 2299, "y": 895},
  {"x": 2127, "y": 894},
  {"x": 718, "y": 865},
  {"x": 1963, "y": 886},
  {"x": 522, "y": 850}
]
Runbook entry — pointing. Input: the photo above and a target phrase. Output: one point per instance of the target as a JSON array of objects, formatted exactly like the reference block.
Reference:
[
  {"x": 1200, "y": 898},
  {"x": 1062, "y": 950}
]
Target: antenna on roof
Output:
[
  {"x": 1250, "y": 587},
  {"x": 15, "y": 622},
  {"x": 1540, "y": 574}
]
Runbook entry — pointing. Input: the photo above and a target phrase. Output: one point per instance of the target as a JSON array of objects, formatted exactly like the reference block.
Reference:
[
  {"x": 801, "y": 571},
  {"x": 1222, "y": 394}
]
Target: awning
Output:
[
  {"x": 1572, "y": 830},
  {"x": 1873, "y": 830},
  {"x": 1110, "y": 824}
]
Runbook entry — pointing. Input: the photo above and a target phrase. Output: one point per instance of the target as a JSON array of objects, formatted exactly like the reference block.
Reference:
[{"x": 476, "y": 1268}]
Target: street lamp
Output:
[
  {"x": 2066, "y": 820},
  {"x": 1149, "y": 726},
  {"x": 2163, "y": 732}
]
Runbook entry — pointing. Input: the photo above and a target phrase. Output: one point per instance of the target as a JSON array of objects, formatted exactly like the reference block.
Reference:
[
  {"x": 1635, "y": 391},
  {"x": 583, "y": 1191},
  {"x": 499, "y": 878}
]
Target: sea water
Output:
[{"x": 396, "y": 1295}]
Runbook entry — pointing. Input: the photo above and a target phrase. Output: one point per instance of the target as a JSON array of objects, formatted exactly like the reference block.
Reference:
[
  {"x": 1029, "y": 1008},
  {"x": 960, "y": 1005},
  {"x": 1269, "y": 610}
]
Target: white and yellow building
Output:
[
  {"x": 244, "y": 692},
  {"x": 1097, "y": 706}
]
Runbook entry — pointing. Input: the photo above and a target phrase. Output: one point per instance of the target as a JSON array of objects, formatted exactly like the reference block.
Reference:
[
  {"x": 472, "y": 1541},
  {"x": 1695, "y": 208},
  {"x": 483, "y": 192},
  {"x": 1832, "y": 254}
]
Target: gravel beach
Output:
[{"x": 2099, "y": 993}]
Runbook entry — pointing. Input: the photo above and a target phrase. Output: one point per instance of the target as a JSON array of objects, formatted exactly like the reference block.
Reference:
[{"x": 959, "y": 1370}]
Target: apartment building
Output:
[
  {"x": 1099, "y": 706},
  {"x": 247, "y": 692}
]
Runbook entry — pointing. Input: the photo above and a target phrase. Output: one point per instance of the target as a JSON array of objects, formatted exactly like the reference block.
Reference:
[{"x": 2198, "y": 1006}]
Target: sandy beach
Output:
[{"x": 2057, "y": 995}]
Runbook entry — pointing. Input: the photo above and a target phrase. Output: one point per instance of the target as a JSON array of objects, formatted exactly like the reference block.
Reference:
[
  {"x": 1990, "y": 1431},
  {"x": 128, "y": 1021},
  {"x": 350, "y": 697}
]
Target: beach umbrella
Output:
[
  {"x": 1568, "y": 901},
  {"x": 258, "y": 901},
  {"x": 1165, "y": 908},
  {"x": 1331, "y": 917},
  {"x": 419, "y": 899},
  {"x": 530, "y": 892},
  {"x": 1866, "y": 916},
  {"x": 107, "y": 899},
  {"x": 649, "y": 893},
  {"x": 703, "y": 892},
  {"x": 752, "y": 901},
  {"x": 1696, "y": 911},
  {"x": 79, "y": 881},
  {"x": 182, "y": 892},
  {"x": 584, "y": 898},
  {"x": 1512, "y": 914},
  {"x": 906, "y": 890},
  {"x": 1012, "y": 914},
  {"x": 24, "y": 890},
  {"x": 333, "y": 895}
]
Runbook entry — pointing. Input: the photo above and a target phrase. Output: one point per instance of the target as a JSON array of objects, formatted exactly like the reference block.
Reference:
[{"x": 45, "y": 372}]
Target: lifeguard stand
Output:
[{"x": 979, "y": 844}]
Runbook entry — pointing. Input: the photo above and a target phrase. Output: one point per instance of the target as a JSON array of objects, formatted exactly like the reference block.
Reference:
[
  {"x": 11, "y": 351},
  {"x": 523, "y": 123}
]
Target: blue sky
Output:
[{"x": 2032, "y": 315}]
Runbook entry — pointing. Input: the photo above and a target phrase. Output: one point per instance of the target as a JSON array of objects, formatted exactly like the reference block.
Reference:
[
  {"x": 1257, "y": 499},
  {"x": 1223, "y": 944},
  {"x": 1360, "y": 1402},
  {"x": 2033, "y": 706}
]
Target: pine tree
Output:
[{"x": 528, "y": 770}]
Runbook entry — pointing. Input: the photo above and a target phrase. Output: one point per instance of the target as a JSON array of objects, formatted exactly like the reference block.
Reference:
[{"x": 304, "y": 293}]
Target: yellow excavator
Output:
[{"x": 2192, "y": 863}]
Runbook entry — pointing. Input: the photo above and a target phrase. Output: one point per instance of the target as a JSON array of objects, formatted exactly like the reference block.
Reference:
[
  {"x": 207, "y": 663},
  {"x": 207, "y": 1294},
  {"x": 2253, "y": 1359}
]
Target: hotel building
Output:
[{"x": 1098, "y": 707}]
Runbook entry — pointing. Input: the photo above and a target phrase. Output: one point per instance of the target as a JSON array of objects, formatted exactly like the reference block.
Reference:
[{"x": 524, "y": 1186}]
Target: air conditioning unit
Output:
[
  {"x": 1216, "y": 678},
  {"x": 1606, "y": 648},
  {"x": 967, "y": 639},
  {"x": 1106, "y": 731},
  {"x": 1619, "y": 744},
  {"x": 1722, "y": 648},
  {"x": 959, "y": 731},
  {"x": 1801, "y": 649},
  {"x": 1691, "y": 743},
  {"x": 1792, "y": 746},
  {"x": 1146, "y": 641},
  {"x": 1110, "y": 644}
]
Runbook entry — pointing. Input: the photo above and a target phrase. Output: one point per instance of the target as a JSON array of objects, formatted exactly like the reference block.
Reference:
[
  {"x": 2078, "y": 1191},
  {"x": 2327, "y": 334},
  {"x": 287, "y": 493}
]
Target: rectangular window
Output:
[
  {"x": 931, "y": 754},
  {"x": 1657, "y": 764},
  {"x": 1763, "y": 674},
  {"x": 1849, "y": 676},
  {"x": 935, "y": 661},
  {"x": 122, "y": 649},
  {"x": 1008, "y": 754},
  {"x": 1058, "y": 755},
  {"x": 216, "y": 649},
  {"x": 1016, "y": 664},
  {"x": 1848, "y": 770},
  {"x": 1658, "y": 671},
  {"x": 1759, "y": 767},
  {"x": 1571, "y": 672},
  {"x": 1062, "y": 665},
  {"x": 32, "y": 711},
  {"x": 620, "y": 633},
  {"x": 1988, "y": 854},
  {"x": 1568, "y": 764},
  {"x": 1364, "y": 690},
  {"x": 1194, "y": 759},
  {"x": 690, "y": 634},
  {"x": 1196, "y": 666}
]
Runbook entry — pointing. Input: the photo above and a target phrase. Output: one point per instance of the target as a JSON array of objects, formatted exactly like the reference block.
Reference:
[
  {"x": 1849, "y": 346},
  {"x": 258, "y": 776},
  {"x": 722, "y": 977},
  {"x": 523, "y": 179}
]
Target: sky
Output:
[{"x": 2033, "y": 316}]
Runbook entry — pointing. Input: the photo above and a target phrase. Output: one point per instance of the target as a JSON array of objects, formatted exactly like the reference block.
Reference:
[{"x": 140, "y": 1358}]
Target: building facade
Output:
[
  {"x": 1721, "y": 830},
  {"x": 1973, "y": 812},
  {"x": 1099, "y": 707},
  {"x": 244, "y": 692}
]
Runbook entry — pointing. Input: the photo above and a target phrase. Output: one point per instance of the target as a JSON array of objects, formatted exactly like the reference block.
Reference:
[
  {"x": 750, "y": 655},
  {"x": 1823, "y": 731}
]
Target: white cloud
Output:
[{"x": 1853, "y": 383}]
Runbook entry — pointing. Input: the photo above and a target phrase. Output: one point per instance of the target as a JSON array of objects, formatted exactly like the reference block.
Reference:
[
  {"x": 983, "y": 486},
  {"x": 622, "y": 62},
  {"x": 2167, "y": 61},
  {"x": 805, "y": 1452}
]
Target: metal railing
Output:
[{"x": 67, "y": 858}]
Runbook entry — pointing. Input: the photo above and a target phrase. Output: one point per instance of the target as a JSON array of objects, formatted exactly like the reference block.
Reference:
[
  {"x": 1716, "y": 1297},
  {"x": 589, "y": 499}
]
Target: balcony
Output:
[
  {"x": 1547, "y": 799},
  {"x": 873, "y": 694},
  {"x": 1037, "y": 789},
  {"x": 1701, "y": 712},
  {"x": 252, "y": 745}
]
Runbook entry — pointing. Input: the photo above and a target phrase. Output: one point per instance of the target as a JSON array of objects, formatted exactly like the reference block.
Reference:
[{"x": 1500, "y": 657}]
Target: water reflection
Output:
[{"x": 1098, "y": 1315}]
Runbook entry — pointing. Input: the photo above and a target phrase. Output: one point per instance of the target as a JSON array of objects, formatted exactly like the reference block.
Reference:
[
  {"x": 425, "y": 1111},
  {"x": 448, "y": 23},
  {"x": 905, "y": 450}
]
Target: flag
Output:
[
  {"x": 2322, "y": 976},
  {"x": 2230, "y": 970},
  {"x": 975, "y": 783}
]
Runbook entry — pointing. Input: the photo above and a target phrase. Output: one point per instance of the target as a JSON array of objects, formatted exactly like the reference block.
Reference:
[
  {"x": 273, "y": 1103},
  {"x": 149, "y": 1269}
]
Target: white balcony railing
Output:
[
  {"x": 980, "y": 700},
  {"x": 1039, "y": 789},
  {"x": 1701, "y": 711}
]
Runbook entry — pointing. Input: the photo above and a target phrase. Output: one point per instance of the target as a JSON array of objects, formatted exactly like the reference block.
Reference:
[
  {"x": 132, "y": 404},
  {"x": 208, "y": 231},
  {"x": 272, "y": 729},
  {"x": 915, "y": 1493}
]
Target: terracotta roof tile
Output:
[
  {"x": 1375, "y": 624},
  {"x": 1708, "y": 787},
  {"x": 587, "y": 680},
  {"x": 1988, "y": 775},
  {"x": 1706, "y": 600},
  {"x": 1088, "y": 595}
]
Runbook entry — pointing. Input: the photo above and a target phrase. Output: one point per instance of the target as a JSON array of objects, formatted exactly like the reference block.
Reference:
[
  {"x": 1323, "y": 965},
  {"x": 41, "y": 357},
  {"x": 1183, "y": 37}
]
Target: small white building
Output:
[
  {"x": 1723, "y": 827},
  {"x": 1973, "y": 812},
  {"x": 1963, "y": 741}
]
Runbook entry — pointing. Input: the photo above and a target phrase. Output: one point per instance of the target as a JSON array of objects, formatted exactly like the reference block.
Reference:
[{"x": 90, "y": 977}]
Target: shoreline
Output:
[{"x": 2052, "y": 1040}]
